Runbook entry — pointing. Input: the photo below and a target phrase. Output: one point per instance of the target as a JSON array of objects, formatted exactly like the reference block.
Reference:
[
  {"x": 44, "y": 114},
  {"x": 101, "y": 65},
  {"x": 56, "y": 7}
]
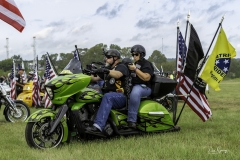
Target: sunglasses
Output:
[
  {"x": 135, "y": 54},
  {"x": 108, "y": 57}
]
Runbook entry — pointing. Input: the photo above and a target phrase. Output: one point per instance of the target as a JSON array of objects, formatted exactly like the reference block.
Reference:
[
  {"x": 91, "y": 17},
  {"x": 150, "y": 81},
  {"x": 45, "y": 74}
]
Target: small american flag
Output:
[
  {"x": 13, "y": 82},
  {"x": 50, "y": 73},
  {"x": 76, "y": 55},
  {"x": 36, "y": 88},
  {"x": 182, "y": 50}
]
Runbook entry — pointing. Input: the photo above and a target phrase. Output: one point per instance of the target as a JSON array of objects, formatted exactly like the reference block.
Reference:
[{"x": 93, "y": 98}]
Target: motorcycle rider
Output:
[
  {"x": 113, "y": 88},
  {"x": 30, "y": 76},
  {"x": 19, "y": 81},
  {"x": 141, "y": 72}
]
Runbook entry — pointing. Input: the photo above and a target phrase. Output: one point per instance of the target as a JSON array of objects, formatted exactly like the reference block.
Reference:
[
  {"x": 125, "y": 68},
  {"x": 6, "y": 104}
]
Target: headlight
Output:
[{"x": 49, "y": 92}]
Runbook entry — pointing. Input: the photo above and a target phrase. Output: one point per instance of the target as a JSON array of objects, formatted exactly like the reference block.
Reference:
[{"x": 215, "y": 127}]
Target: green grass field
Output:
[{"x": 218, "y": 138}]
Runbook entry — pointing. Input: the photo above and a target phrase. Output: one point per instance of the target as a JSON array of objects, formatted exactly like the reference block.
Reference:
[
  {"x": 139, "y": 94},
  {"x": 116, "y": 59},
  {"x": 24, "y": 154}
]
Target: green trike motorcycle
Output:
[{"x": 74, "y": 107}]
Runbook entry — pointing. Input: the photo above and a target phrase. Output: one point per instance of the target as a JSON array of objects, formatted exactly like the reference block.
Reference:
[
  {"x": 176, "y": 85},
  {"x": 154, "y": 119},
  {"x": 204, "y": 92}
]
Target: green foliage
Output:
[
  {"x": 234, "y": 70},
  {"x": 114, "y": 46},
  {"x": 157, "y": 57},
  {"x": 17, "y": 58},
  {"x": 93, "y": 54},
  {"x": 125, "y": 52},
  {"x": 6, "y": 65},
  {"x": 169, "y": 66}
]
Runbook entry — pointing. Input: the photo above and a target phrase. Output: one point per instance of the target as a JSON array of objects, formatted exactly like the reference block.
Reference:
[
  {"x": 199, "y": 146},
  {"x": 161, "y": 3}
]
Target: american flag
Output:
[
  {"x": 36, "y": 88},
  {"x": 11, "y": 14},
  {"x": 196, "y": 100},
  {"x": 50, "y": 73},
  {"x": 13, "y": 82},
  {"x": 182, "y": 50},
  {"x": 193, "y": 93},
  {"x": 76, "y": 55}
]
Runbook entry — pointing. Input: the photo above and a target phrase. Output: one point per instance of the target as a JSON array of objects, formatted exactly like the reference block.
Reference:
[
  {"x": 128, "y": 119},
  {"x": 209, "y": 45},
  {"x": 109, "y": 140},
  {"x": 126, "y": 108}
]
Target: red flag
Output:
[{"x": 11, "y": 14}]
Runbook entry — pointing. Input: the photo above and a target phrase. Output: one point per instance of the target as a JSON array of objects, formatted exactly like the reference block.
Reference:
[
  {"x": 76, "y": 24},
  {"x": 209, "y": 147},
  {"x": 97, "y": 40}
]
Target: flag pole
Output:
[
  {"x": 78, "y": 56},
  {"x": 52, "y": 63},
  {"x": 175, "y": 122},
  {"x": 37, "y": 86},
  {"x": 174, "y": 98},
  {"x": 205, "y": 57}
]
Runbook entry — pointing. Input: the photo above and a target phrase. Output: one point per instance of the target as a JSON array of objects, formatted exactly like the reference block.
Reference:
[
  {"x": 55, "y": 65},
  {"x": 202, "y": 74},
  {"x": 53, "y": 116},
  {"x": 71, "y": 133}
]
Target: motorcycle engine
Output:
[{"x": 83, "y": 114}]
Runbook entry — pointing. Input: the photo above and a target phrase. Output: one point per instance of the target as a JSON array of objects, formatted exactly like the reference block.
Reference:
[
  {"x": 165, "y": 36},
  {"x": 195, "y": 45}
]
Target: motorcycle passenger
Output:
[
  {"x": 113, "y": 88},
  {"x": 19, "y": 81},
  {"x": 30, "y": 76},
  {"x": 141, "y": 73}
]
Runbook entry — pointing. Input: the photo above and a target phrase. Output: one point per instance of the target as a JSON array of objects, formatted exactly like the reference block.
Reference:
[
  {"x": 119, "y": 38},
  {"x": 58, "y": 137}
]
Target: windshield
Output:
[
  {"x": 156, "y": 70},
  {"x": 73, "y": 67}
]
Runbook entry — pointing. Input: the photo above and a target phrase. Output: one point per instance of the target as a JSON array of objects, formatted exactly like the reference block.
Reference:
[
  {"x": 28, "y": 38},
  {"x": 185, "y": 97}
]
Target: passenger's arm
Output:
[{"x": 143, "y": 76}]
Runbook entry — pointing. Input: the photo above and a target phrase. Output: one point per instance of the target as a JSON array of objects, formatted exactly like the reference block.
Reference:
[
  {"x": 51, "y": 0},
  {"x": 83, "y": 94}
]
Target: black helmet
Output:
[
  {"x": 112, "y": 52},
  {"x": 126, "y": 61},
  {"x": 139, "y": 49}
]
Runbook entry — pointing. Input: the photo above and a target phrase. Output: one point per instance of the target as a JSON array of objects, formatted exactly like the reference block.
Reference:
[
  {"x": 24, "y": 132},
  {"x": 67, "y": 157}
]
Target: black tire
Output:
[
  {"x": 21, "y": 115},
  {"x": 36, "y": 134}
]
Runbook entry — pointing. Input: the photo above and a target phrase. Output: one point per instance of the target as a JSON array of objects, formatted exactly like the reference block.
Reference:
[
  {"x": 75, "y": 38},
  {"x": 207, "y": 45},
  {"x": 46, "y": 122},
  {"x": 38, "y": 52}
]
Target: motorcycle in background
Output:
[
  {"x": 15, "y": 110},
  {"x": 26, "y": 94}
]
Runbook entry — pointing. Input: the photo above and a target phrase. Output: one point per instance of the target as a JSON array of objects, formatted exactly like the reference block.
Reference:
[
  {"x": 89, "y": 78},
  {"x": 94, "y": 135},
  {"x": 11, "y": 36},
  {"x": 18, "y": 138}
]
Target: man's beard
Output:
[{"x": 107, "y": 64}]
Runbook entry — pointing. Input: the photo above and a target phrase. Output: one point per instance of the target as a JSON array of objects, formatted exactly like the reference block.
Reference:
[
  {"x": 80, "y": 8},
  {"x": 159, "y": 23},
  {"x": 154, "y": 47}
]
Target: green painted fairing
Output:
[
  {"x": 88, "y": 95},
  {"x": 39, "y": 114},
  {"x": 67, "y": 85},
  {"x": 151, "y": 123},
  {"x": 43, "y": 113},
  {"x": 76, "y": 106},
  {"x": 118, "y": 117}
]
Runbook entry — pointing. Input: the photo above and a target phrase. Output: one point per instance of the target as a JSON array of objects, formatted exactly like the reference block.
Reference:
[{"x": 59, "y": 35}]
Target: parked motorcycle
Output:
[
  {"x": 15, "y": 110},
  {"x": 26, "y": 94},
  {"x": 75, "y": 107}
]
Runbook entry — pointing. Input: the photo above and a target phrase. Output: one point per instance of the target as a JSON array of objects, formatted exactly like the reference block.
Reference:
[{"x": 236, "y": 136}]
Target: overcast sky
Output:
[{"x": 60, "y": 24}]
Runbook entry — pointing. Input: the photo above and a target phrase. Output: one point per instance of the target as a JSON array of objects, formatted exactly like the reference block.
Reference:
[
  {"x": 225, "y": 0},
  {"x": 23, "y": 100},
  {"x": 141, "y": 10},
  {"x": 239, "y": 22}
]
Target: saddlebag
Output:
[{"x": 162, "y": 86}]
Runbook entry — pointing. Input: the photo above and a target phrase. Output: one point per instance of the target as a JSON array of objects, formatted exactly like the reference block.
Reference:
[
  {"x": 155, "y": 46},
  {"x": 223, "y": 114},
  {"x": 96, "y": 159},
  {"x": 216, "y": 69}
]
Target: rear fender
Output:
[{"x": 38, "y": 115}]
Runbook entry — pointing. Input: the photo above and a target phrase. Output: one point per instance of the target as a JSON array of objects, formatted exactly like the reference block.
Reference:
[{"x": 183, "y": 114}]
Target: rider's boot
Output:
[{"x": 132, "y": 125}]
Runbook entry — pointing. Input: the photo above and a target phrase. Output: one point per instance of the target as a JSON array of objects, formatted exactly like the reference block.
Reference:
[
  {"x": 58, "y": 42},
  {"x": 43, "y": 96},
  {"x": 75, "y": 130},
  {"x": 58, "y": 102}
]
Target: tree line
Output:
[{"x": 95, "y": 54}]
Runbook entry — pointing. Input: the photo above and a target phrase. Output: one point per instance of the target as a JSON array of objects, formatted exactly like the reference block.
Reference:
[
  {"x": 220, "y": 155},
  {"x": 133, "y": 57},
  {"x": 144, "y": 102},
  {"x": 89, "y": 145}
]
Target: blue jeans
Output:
[
  {"x": 110, "y": 100},
  {"x": 135, "y": 97}
]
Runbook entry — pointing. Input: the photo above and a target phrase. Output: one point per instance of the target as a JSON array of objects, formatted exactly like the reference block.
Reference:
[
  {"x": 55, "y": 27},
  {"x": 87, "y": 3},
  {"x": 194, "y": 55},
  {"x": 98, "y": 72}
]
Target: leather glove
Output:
[{"x": 103, "y": 70}]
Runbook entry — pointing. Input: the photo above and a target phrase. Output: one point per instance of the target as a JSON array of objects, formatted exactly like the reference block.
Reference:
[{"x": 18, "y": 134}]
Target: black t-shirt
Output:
[
  {"x": 19, "y": 79},
  {"x": 146, "y": 67},
  {"x": 116, "y": 85}
]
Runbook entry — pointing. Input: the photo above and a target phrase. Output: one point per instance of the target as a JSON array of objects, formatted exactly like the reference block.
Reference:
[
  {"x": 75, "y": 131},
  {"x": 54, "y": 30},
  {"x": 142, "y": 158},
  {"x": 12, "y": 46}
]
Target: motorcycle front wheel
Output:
[
  {"x": 19, "y": 115},
  {"x": 36, "y": 134}
]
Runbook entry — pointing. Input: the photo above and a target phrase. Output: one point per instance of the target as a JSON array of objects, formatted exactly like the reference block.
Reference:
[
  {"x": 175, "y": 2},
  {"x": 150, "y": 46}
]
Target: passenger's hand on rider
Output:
[
  {"x": 102, "y": 70},
  {"x": 132, "y": 66}
]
